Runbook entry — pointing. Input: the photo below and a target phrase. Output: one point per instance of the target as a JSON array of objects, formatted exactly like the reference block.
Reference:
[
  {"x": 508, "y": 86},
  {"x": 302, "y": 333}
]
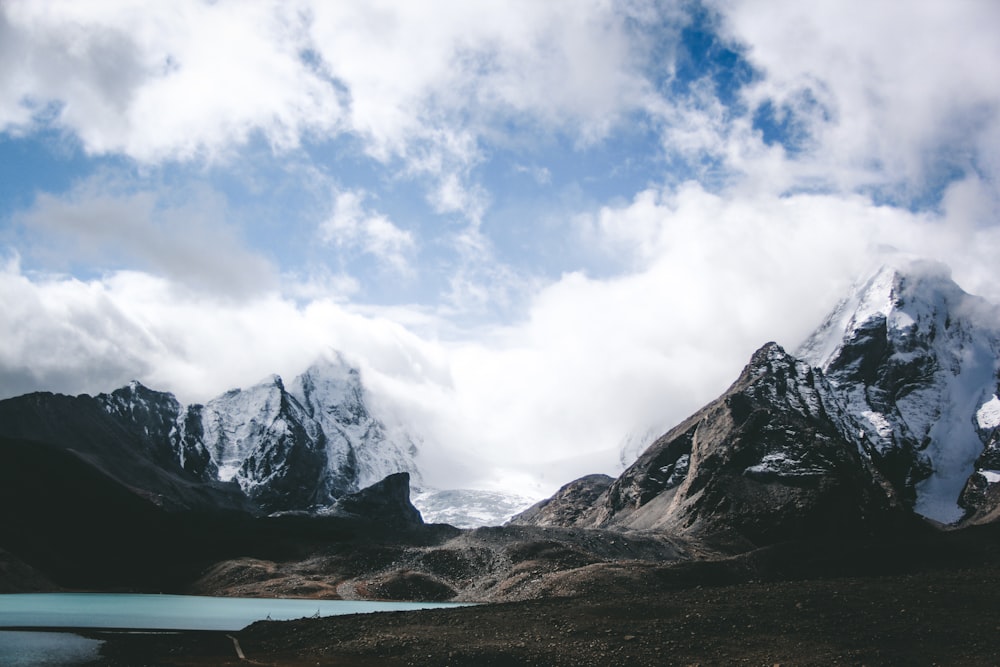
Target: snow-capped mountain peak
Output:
[
  {"x": 902, "y": 294},
  {"x": 331, "y": 388},
  {"x": 917, "y": 359},
  {"x": 294, "y": 447},
  {"x": 332, "y": 393},
  {"x": 236, "y": 422}
]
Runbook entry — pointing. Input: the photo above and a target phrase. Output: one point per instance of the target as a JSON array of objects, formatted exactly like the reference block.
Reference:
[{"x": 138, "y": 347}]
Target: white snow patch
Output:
[
  {"x": 228, "y": 470},
  {"x": 902, "y": 320},
  {"x": 780, "y": 463},
  {"x": 988, "y": 414},
  {"x": 992, "y": 476},
  {"x": 878, "y": 422},
  {"x": 773, "y": 459},
  {"x": 876, "y": 300}
]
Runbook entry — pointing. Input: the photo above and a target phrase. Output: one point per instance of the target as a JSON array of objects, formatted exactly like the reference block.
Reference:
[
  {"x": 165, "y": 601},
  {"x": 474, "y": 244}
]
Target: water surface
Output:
[
  {"x": 173, "y": 612},
  {"x": 46, "y": 649}
]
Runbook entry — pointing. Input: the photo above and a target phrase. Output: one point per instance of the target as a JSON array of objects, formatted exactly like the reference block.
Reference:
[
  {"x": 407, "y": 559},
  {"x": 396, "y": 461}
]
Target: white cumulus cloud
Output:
[{"x": 351, "y": 224}]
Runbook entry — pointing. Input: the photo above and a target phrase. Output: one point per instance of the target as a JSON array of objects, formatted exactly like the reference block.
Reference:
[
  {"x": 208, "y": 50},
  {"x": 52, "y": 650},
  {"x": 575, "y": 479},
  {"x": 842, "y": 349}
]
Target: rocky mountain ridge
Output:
[
  {"x": 298, "y": 447},
  {"x": 771, "y": 459},
  {"x": 892, "y": 403},
  {"x": 285, "y": 449}
]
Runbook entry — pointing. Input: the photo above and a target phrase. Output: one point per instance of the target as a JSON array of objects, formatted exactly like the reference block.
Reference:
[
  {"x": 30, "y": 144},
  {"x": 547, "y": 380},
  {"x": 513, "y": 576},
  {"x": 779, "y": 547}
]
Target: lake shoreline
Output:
[
  {"x": 143, "y": 612},
  {"x": 151, "y": 647},
  {"x": 639, "y": 618}
]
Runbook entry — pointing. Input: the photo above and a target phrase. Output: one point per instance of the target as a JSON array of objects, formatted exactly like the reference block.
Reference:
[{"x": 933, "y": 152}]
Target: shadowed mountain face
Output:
[
  {"x": 82, "y": 528},
  {"x": 125, "y": 436},
  {"x": 131, "y": 489}
]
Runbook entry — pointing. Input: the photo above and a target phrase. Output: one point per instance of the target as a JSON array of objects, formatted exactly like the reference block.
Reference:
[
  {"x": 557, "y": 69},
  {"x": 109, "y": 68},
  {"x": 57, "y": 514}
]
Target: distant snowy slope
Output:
[
  {"x": 297, "y": 448},
  {"x": 469, "y": 508}
]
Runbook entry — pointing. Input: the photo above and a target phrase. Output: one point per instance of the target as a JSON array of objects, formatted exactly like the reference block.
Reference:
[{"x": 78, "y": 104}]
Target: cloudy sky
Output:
[{"x": 542, "y": 229}]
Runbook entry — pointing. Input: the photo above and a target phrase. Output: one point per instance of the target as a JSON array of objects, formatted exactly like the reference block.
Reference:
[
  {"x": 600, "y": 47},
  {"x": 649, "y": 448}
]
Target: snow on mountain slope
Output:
[
  {"x": 332, "y": 394},
  {"x": 288, "y": 449},
  {"x": 304, "y": 446},
  {"x": 918, "y": 360},
  {"x": 263, "y": 439},
  {"x": 297, "y": 447},
  {"x": 151, "y": 415},
  {"x": 235, "y": 423}
]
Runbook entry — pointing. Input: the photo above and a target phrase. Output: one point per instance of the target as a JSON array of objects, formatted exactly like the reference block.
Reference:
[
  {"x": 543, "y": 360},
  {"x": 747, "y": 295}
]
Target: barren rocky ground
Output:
[
  {"x": 930, "y": 600},
  {"x": 938, "y": 618},
  {"x": 486, "y": 564}
]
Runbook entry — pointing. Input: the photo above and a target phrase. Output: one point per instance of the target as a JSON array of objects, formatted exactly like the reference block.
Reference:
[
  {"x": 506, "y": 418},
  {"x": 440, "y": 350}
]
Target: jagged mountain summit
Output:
[
  {"x": 284, "y": 449},
  {"x": 298, "y": 447},
  {"x": 890, "y": 406},
  {"x": 917, "y": 360},
  {"x": 332, "y": 394},
  {"x": 271, "y": 447}
]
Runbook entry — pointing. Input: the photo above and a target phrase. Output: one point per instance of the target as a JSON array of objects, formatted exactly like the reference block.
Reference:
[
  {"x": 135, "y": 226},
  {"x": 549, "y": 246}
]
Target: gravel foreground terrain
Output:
[{"x": 641, "y": 614}]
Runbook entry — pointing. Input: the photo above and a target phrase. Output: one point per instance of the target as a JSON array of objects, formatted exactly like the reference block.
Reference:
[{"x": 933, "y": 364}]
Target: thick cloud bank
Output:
[{"x": 543, "y": 230}]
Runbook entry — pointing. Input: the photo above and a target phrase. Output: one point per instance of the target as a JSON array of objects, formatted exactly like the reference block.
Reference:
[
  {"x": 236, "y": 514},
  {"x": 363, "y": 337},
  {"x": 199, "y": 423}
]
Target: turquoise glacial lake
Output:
[
  {"x": 173, "y": 612},
  {"x": 26, "y": 648}
]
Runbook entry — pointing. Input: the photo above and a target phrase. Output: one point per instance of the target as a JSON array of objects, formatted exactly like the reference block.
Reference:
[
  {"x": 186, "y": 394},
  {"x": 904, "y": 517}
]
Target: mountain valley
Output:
[{"x": 867, "y": 461}]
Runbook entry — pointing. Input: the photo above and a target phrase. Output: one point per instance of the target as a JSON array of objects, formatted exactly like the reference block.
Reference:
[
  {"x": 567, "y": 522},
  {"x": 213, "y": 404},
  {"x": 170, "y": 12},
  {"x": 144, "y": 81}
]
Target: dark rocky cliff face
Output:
[
  {"x": 981, "y": 495},
  {"x": 148, "y": 415},
  {"x": 770, "y": 459},
  {"x": 124, "y": 440},
  {"x": 568, "y": 505},
  {"x": 387, "y": 501}
]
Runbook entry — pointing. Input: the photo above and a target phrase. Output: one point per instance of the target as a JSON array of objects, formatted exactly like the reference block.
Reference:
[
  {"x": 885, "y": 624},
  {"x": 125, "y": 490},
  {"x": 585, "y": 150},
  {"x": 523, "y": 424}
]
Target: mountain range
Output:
[
  {"x": 889, "y": 408},
  {"x": 266, "y": 449},
  {"x": 811, "y": 493}
]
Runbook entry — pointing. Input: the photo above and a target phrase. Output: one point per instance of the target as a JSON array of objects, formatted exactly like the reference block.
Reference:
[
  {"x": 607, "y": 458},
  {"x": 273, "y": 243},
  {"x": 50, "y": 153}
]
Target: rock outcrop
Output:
[{"x": 770, "y": 459}]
